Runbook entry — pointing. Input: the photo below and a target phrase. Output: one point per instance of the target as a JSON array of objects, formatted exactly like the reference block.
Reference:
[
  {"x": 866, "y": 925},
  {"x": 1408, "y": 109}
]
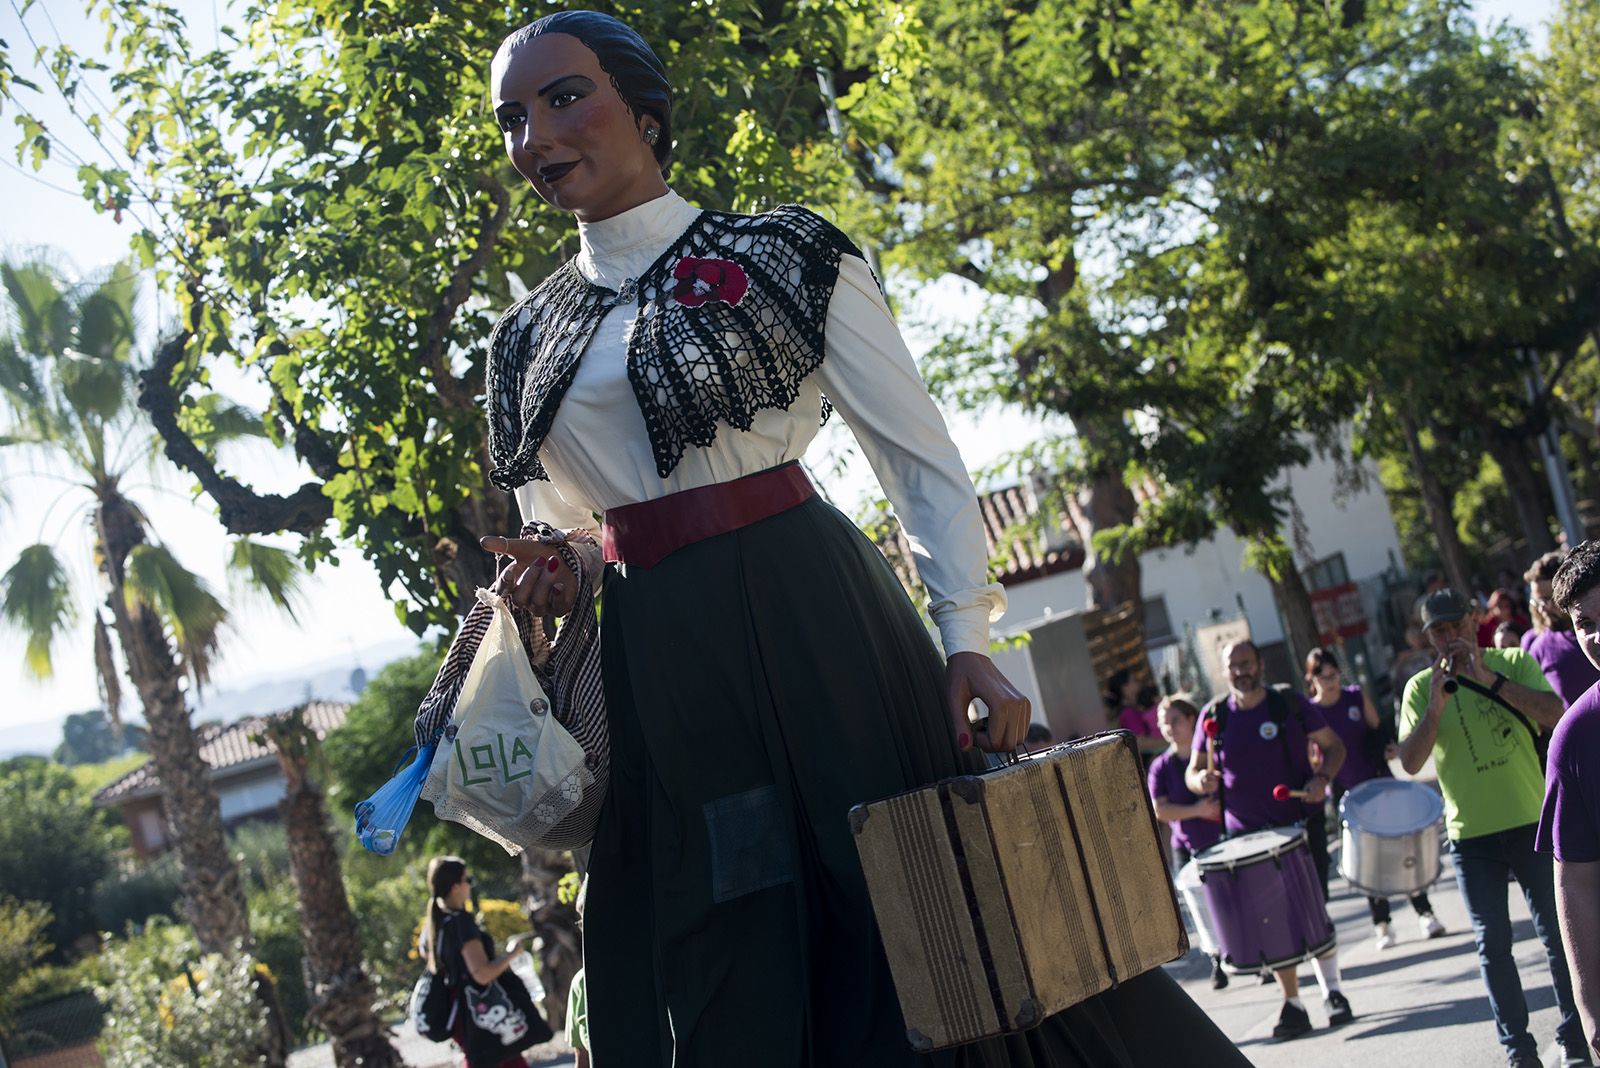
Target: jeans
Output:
[{"x": 1482, "y": 865}]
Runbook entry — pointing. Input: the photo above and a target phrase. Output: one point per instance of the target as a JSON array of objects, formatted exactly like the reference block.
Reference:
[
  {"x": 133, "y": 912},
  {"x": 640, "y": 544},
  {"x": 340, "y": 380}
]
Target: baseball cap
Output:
[{"x": 1443, "y": 606}]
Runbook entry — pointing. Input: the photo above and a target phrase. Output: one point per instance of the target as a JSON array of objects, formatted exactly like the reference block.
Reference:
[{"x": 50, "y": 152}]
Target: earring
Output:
[{"x": 652, "y": 134}]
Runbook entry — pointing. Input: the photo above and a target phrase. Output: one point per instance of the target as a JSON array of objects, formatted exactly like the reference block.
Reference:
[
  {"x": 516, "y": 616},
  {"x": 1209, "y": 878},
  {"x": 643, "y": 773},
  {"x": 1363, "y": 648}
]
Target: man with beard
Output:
[{"x": 1261, "y": 744}]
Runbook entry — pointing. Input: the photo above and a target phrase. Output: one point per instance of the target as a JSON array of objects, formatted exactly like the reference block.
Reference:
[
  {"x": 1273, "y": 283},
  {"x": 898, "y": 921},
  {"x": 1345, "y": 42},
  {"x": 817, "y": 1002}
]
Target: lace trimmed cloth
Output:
[
  {"x": 568, "y": 669},
  {"x": 730, "y": 323}
]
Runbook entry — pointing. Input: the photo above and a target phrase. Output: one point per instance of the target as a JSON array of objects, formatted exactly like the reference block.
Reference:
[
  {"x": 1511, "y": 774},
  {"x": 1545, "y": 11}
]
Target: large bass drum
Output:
[{"x": 1391, "y": 837}]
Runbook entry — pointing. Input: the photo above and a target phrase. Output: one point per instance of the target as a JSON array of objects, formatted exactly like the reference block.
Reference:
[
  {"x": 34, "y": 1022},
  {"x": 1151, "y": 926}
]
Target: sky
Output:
[{"x": 346, "y": 609}]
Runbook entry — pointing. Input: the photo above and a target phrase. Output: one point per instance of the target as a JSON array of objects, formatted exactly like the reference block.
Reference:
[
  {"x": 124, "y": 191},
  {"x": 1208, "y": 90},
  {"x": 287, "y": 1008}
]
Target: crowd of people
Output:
[{"x": 1507, "y": 713}]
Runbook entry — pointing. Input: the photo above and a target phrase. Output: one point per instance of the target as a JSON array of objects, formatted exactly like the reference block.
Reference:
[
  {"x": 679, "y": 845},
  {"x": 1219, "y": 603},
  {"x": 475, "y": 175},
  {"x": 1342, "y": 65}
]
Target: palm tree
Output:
[
  {"x": 341, "y": 990},
  {"x": 67, "y": 374}
]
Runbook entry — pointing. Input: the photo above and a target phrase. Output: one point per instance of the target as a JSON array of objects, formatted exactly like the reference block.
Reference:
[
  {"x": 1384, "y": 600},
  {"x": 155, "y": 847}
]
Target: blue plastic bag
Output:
[{"x": 381, "y": 817}]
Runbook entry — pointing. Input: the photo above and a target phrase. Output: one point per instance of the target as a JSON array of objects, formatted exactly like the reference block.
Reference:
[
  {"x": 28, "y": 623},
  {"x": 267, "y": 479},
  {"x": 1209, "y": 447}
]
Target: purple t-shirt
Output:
[
  {"x": 1569, "y": 825},
  {"x": 1563, "y": 664},
  {"x": 1346, "y": 717},
  {"x": 1251, "y": 759},
  {"x": 1140, "y": 721},
  {"x": 1165, "y": 779}
]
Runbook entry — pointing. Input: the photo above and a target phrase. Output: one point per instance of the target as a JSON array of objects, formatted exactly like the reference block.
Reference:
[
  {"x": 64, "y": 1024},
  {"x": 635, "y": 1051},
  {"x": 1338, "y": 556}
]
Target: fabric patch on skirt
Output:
[{"x": 751, "y": 843}]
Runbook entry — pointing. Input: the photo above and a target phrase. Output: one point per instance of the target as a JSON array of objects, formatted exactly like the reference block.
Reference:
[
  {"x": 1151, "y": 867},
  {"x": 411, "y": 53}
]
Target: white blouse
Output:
[{"x": 598, "y": 455}]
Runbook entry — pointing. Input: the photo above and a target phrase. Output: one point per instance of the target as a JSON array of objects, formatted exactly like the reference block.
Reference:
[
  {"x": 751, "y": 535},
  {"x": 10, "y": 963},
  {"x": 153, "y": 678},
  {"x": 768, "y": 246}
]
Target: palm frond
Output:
[
  {"x": 105, "y": 666},
  {"x": 39, "y": 303},
  {"x": 19, "y": 380},
  {"x": 94, "y": 385},
  {"x": 214, "y": 419},
  {"x": 36, "y": 598},
  {"x": 265, "y": 571},
  {"x": 154, "y": 581}
]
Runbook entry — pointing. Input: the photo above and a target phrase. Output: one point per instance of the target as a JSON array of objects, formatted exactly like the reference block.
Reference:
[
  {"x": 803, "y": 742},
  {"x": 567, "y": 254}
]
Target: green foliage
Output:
[
  {"x": 330, "y": 202},
  {"x": 45, "y": 818},
  {"x": 91, "y": 777},
  {"x": 92, "y": 749},
  {"x": 136, "y": 892},
  {"x": 261, "y": 849},
  {"x": 388, "y": 905},
  {"x": 154, "y": 579},
  {"x": 267, "y": 572},
  {"x": 168, "y": 1004},
  {"x": 501, "y": 918},
  {"x": 280, "y": 945},
  {"x": 36, "y": 598},
  {"x": 22, "y": 944}
]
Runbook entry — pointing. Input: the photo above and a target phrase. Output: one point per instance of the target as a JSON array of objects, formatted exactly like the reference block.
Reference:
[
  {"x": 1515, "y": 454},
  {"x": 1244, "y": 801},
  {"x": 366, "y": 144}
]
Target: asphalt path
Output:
[{"x": 1419, "y": 1004}]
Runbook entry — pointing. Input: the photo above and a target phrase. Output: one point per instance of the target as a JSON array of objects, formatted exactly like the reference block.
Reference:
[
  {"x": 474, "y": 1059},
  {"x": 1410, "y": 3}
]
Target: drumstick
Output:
[
  {"x": 1211, "y": 742},
  {"x": 1281, "y": 792}
]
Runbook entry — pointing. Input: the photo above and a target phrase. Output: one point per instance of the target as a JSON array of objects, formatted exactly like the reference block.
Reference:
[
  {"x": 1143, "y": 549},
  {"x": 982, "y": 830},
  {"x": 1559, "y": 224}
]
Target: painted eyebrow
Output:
[{"x": 562, "y": 79}]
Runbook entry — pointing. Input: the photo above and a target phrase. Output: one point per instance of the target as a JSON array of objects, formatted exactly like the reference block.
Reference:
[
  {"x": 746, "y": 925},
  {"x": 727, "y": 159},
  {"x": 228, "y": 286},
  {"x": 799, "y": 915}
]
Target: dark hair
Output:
[
  {"x": 1242, "y": 643},
  {"x": 1038, "y": 734},
  {"x": 1511, "y": 627},
  {"x": 443, "y": 875},
  {"x": 1118, "y": 680},
  {"x": 1544, "y": 569},
  {"x": 1579, "y": 573},
  {"x": 636, "y": 72},
  {"x": 1317, "y": 659},
  {"x": 1182, "y": 704}
]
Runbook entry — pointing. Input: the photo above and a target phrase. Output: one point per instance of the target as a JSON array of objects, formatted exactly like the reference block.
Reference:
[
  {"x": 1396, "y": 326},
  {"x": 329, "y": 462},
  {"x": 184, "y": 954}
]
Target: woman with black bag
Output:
[
  {"x": 1368, "y": 745},
  {"x": 495, "y": 1017}
]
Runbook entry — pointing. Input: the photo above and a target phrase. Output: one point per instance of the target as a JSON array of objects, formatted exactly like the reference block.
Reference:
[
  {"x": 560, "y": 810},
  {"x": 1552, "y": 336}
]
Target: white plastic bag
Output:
[{"x": 505, "y": 767}]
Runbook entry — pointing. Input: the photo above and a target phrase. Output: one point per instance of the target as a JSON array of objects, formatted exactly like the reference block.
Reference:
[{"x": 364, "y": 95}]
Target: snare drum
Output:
[
  {"x": 1194, "y": 903},
  {"x": 1265, "y": 900},
  {"x": 1391, "y": 837}
]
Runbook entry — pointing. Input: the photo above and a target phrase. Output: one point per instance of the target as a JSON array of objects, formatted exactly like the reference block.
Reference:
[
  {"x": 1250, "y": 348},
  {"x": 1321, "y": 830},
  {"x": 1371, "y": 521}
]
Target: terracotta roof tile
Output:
[{"x": 222, "y": 746}]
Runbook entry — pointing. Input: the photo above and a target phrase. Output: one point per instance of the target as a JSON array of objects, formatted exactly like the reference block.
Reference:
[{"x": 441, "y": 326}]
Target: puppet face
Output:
[{"x": 568, "y": 131}]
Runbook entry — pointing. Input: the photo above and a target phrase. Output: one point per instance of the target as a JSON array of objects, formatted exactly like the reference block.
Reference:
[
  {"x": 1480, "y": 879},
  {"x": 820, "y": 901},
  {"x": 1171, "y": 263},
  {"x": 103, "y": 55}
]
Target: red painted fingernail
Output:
[
  {"x": 554, "y": 565},
  {"x": 964, "y": 740}
]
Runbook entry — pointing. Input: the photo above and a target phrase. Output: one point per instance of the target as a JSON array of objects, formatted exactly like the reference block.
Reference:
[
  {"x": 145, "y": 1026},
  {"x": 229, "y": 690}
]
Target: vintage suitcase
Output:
[{"x": 1005, "y": 897}]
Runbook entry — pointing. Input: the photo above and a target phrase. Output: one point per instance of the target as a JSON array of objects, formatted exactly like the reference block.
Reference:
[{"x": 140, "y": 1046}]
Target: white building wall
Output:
[{"x": 1210, "y": 581}]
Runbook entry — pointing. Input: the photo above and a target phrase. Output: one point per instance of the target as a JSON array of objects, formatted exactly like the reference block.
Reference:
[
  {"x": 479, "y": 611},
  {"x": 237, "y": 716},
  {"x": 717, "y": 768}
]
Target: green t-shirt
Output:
[
  {"x": 1488, "y": 769},
  {"x": 578, "y": 1013}
]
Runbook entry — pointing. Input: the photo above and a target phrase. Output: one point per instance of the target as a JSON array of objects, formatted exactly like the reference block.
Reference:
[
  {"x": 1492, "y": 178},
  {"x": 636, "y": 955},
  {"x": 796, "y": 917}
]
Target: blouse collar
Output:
[{"x": 623, "y": 245}]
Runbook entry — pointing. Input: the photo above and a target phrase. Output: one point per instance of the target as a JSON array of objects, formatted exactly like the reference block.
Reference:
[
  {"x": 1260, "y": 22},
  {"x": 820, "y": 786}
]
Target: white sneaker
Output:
[
  {"x": 1430, "y": 925},
  {"x": 1385, "y": 937}
]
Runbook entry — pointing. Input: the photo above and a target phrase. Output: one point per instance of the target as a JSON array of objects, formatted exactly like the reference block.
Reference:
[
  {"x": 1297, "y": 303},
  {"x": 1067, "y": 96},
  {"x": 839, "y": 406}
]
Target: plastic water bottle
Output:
[{"x": 522, "y": 967}]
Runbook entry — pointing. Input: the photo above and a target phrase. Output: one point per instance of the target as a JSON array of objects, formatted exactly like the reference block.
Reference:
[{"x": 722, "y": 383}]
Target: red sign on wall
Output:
[{"x": 1339, "y": 612}]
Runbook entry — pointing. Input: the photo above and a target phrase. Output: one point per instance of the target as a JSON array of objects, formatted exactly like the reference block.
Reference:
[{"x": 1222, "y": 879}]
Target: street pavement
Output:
[{"x": 1419, "y": 1004}]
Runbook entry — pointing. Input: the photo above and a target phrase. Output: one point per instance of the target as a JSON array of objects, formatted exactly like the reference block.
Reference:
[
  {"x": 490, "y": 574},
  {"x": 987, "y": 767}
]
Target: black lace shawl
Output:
[{"x": 698, "y": 355}]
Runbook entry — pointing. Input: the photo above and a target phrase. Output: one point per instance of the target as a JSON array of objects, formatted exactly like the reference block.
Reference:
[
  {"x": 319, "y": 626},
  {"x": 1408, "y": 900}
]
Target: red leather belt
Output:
[{"x": 646, "y": 533}]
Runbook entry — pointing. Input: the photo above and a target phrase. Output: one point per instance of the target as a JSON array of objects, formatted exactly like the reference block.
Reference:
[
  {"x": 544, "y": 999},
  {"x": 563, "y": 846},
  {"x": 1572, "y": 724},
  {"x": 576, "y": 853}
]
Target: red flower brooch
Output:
[{"x": 703, "y": 280}]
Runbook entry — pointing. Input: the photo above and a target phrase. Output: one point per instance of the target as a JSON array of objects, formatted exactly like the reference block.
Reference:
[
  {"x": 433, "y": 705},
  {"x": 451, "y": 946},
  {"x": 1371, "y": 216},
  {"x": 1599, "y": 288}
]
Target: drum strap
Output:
[{"x": 1279, "y": 714}]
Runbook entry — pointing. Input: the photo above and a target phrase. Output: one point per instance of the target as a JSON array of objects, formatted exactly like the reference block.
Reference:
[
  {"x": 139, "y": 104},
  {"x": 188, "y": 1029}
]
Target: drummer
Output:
[
  {"x": 1196, "y": 822},
  {"x": 1262, "y": 744},
  {"x": 1367, "y": 752}
]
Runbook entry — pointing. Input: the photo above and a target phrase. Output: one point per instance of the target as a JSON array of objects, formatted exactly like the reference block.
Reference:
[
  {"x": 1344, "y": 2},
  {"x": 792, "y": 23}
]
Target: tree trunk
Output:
[
  {"x": 1522, "y": 486},
  {"x": 556, "y": 928},
  {"x": 213, "y": 894},
  {"x": 341, "y": 993},
  {"x": 1437, "y": 505},
  {"x": 1299, "y": 620}
]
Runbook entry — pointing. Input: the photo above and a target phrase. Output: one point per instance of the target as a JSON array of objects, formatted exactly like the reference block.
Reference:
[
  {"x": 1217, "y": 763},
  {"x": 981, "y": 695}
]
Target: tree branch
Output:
[
  {"x": 454, "y": 391},
  {"x": 241, "y": 509}
]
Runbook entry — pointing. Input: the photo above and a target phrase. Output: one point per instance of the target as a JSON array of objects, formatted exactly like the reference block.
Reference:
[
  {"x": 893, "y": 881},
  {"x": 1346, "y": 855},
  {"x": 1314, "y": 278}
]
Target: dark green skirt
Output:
[{"x": 759, "y": 684}]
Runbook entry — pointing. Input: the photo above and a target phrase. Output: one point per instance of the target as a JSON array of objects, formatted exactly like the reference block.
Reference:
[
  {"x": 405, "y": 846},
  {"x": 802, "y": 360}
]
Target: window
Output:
[{"x": 1157, "y": 624}]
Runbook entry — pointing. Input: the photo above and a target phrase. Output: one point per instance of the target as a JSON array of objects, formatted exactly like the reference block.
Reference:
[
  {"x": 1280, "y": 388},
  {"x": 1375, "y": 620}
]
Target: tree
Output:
[
  {"x": 351, "y": 237},
  {"x": 67, "y": 369},
  {"x": 47, "y": 819},
  {"x": 91, "y": 738},
  {"x": 341, "y": 992},
  {"x": 22, "y": 944}
]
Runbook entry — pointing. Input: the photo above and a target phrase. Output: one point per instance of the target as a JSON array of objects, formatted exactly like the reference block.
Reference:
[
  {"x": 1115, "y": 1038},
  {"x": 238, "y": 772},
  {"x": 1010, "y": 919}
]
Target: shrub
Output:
[
  {"x": 136, "y": 892},
  {"x": 22, "y": 943},
  {"x": 501, "y": 919},
  {"x": 167, "y": 1004}
]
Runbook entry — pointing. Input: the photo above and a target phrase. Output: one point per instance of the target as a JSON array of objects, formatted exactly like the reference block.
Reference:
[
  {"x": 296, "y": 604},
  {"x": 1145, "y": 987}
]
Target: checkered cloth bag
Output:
[{"x": 567, "y": 674}]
